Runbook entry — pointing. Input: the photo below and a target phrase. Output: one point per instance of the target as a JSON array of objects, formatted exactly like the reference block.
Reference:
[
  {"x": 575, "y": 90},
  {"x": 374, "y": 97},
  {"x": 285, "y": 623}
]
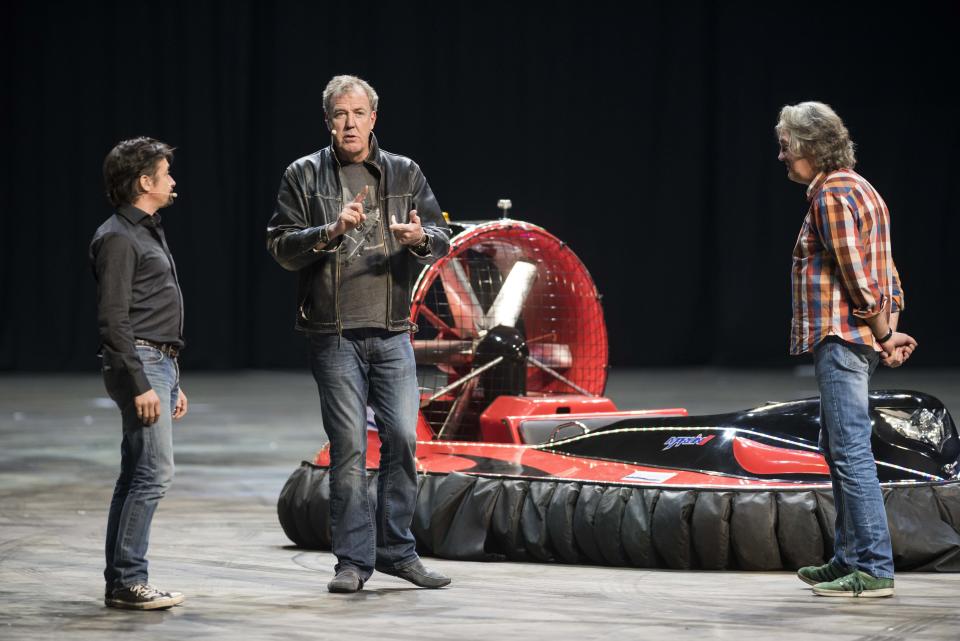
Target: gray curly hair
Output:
[
  {"x": 816, "y": 132},
  {"x": 340, "y": 85}
]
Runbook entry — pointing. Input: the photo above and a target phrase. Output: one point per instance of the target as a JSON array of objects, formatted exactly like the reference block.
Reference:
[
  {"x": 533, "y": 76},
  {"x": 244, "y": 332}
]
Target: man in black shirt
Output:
[
  {"x": 358, "y": 223},
  {"x": 140, "y": 316}
]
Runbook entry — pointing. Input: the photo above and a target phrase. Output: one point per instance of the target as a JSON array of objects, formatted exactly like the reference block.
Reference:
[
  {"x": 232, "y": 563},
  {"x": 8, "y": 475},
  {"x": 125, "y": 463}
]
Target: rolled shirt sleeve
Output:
[
  {"x": 897, "y": 303},
  {"x": 840, "y": 230}
]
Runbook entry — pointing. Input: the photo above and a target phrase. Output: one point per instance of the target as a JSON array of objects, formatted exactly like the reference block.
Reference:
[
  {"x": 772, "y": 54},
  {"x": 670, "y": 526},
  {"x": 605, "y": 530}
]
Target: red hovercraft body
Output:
[{"x": 521, "y": 457}]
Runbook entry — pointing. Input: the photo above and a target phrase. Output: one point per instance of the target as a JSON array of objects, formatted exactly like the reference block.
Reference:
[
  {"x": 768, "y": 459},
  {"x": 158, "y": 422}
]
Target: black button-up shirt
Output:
[{"x": 138, "y": 295}]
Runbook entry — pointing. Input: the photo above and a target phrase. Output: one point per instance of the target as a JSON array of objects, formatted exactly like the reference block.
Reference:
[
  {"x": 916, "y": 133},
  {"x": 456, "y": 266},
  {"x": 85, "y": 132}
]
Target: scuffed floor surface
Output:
[{"x": 216, "y": 536}]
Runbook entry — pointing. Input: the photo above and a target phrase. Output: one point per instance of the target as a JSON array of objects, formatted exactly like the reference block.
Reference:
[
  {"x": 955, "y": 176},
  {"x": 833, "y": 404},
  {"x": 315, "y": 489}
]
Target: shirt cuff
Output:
[{"x": 141, "y": 384}]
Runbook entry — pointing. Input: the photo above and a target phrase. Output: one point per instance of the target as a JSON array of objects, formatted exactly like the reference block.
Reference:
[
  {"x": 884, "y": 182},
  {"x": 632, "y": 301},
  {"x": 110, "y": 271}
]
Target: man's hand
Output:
[
  {"x": 351, "y": 216},
  {"x": 180, "y": 409},
  {"x": 148, "y": 407},
  {"x": 897, "y": 349},
  {"x": 407, "y": 233}
]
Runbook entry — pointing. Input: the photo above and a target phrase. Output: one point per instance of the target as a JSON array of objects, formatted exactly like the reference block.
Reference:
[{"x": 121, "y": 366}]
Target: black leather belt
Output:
[{"x": 169, "y": 350}]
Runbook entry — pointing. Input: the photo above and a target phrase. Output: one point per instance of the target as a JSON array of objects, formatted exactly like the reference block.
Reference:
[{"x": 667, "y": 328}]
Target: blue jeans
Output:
[
  {"x": 146, "y": 467},
  {"x": 862, "y": 537},
  {"x": 369, "y": 367}
]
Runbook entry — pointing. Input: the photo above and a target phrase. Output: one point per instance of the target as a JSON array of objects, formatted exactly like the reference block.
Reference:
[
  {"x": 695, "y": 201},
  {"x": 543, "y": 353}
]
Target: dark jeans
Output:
[
  {"x": 146, "y": 468},
  {"x": 375, "y": 368},
  {"x": 862, "y": 536}
]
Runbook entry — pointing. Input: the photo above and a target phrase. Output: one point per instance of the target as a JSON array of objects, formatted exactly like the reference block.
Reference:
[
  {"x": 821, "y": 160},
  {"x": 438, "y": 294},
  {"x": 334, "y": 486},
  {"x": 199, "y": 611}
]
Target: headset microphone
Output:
[{"x": 333, "y": 132}]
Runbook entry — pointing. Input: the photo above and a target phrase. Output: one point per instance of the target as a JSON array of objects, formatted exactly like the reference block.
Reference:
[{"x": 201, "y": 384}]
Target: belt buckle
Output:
[{"x": 165, "y": 349}]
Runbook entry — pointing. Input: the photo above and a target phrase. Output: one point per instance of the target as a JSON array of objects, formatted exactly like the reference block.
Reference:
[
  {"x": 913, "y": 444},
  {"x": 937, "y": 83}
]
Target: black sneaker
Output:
[
  {"x": 418, "y": 575},
  {"x": 143, "y": 597}
]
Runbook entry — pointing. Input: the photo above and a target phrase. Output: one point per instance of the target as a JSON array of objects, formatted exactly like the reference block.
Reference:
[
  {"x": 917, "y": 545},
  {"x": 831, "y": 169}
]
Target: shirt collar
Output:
[
  {"x": 814, "y": 185},
  {"x": 136, "y": 216}
]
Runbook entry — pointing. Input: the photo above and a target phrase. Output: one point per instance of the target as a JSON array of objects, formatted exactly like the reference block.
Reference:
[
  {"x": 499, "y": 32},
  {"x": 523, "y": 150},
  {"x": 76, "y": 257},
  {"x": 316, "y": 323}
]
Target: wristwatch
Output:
[
  {"x": 423, "y": 244},
  {"x": 324, "y": 240},
  {"x": 325, "y": 235}
]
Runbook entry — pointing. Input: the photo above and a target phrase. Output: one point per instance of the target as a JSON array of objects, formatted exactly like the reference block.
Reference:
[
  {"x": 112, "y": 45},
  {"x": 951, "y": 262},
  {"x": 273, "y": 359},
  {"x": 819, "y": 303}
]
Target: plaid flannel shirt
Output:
[{"x": 843, "y": 269}]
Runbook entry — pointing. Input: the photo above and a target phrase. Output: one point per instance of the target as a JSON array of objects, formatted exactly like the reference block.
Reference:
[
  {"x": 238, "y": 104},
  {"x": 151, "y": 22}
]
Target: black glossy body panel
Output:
[{"x": 914, "y": 438}]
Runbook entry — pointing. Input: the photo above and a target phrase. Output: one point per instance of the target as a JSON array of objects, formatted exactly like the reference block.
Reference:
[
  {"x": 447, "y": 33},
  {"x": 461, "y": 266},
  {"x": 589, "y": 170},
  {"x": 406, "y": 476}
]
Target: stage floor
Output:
[{"x": 217, "y": 539}]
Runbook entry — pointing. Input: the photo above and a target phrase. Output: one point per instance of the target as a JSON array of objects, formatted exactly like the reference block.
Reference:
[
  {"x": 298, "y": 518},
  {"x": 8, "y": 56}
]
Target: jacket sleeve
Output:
[
  {"x": 114, "y": 263},
  {"x": 431, "y": 217},
  {"x": 290, "y": 236}
]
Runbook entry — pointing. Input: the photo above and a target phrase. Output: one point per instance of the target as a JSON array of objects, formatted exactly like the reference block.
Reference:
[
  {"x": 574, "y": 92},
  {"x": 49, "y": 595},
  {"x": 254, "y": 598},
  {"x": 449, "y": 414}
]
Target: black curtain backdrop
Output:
[{"x": 641, "y": 133}]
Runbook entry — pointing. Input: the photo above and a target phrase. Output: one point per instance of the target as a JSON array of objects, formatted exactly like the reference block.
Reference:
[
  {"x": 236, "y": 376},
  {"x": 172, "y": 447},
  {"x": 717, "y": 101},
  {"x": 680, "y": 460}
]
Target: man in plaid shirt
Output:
[{"x": 847, "y": 300}]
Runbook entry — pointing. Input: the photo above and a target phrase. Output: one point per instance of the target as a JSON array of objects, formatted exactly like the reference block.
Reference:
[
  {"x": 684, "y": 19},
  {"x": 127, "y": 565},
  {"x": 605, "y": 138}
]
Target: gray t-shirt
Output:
[{"x": 363, "y": 259}]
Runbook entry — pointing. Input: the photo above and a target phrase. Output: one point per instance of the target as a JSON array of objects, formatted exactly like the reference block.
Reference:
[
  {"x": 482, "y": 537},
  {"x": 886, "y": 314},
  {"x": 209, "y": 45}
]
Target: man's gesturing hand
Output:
[
  {"x": 351, "y": 216},
  {"x": 407, "y": 233},
  {"x": 148, "y": 407}
]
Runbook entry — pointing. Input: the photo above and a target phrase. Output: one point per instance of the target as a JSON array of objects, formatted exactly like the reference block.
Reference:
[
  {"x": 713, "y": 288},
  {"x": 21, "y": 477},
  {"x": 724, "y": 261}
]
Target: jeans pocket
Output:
[
  {"x": 853, "y": 359},
  {"x": 149, "y": 355}
]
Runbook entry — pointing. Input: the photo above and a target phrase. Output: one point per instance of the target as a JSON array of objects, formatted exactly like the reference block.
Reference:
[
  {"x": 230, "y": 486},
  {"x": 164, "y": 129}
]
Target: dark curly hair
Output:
[{"x": 129, "y": 160}]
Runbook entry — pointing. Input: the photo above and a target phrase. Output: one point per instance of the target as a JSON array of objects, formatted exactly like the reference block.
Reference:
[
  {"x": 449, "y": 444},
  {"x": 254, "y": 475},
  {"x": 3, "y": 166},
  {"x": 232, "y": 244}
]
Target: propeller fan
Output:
[{"x": 510, "y": 310}]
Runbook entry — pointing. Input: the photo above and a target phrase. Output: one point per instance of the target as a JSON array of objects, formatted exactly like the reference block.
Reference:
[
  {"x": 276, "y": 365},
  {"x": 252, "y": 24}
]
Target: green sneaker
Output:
[
  {"x": 814, "y": 574},
  {"x": 856, "y": 583}
]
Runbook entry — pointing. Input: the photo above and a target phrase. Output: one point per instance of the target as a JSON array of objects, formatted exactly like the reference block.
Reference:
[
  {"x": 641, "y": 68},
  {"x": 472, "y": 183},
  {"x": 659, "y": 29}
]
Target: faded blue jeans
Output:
[
  {"x": 369, "y": 367},
  {"x": 146, "y": 467},
  {"x": 862, "y": 537}
]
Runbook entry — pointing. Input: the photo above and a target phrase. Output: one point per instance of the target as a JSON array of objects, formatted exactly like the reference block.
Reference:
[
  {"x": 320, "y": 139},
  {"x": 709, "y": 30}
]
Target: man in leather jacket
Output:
[{"x": 358, "y": 223}]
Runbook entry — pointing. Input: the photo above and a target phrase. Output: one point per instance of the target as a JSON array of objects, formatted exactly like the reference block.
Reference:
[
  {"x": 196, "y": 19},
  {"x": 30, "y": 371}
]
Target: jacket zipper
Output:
[
  {"x": 336, "y": 270},
  {"x": 386, "y": 250},
  {"x": 336, "y": 274}
]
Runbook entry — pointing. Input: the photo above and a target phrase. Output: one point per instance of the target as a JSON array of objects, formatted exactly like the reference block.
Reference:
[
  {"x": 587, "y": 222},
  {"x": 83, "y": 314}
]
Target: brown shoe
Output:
[
  {"x": 346, "y": 581},
  {"x": 418, "y": 575}
]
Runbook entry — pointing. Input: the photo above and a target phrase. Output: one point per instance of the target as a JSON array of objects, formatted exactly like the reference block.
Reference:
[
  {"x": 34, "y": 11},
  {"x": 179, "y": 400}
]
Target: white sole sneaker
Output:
[
  {"x": 866, "y": 594},
  {"x": 171, "y": 599}
]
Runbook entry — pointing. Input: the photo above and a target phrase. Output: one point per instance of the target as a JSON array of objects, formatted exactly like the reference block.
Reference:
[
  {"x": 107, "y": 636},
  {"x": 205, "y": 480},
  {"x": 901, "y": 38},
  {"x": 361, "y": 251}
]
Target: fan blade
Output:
[
  {"x": 556, "y": 355},
  {"x": 436, "y": 351},
  {"x": 464, "y": 306},
  {"x": 457, "y": 410},
  {"x": 560, "y": 377},
  {"x": 513, "y": 293},
  {"x": 460, "y": 381},
  {"x": 442, "y": 328}
]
